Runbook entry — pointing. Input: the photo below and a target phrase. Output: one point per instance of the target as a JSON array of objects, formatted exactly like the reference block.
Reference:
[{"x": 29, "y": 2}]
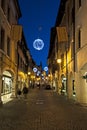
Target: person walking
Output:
[
  {"x": 25, "y": 91},
  {"x": 18, "y": 92}
]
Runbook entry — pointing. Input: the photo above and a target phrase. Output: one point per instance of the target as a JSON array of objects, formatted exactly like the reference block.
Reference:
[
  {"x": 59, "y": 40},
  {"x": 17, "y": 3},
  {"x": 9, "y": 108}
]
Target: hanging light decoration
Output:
[
  {"x": 46, "y": 68},
  {"x": 38, "y": 44}
]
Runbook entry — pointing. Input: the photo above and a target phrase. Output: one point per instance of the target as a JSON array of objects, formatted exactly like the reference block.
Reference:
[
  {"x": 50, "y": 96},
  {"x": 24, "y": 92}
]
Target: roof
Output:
[
  {"x": 52, "y": 39},
  {"x": 60, "y": 12},
  {"x": 18, "y": 8}
]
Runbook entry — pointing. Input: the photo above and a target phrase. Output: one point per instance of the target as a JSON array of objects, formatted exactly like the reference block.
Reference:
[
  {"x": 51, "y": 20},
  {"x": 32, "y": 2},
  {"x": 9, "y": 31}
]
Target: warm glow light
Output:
[
  {"x": 46, "y": 78},
  {"x": 58, "y": 60},
  {"x": 33, "y": 77},
  {"x": 29, "y": 73},
  {"x": 21, "y": 74},
  {"x": 49, "y": 75}
]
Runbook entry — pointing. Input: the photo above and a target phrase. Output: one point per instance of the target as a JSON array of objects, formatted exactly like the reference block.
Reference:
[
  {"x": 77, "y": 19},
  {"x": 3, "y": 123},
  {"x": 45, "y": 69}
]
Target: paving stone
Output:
[{"x": 43, "y": 110}]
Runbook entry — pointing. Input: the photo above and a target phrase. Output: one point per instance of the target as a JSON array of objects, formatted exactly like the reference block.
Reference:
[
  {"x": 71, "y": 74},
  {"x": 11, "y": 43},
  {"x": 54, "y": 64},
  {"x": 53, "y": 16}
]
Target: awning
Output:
[{"x": 62, "y": 34}]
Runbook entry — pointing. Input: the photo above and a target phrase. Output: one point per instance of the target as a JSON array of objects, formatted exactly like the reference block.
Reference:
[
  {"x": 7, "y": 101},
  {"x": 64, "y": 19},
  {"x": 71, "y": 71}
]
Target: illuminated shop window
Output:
[{"x": 6, "y": 85}]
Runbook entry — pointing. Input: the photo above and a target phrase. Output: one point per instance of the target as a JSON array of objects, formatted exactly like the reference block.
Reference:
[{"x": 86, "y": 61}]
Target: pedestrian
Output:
[
  {"x": 19, "y": 92},
  {"x": 25, "y": 91}
]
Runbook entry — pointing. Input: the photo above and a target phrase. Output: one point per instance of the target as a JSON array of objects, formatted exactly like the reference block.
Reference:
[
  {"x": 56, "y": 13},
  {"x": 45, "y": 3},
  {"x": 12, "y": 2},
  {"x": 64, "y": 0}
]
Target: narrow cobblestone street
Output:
[{"x": 42, "y": 110}]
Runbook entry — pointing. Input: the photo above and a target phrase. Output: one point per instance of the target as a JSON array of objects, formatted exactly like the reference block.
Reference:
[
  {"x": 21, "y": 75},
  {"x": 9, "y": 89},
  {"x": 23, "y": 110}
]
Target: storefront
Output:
[{"x": 6, "y": 90}]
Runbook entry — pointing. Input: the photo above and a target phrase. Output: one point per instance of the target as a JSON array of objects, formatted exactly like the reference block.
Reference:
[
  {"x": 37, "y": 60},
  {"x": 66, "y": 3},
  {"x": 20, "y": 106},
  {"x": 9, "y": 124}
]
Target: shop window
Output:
[{"x": 6, "y": 85}]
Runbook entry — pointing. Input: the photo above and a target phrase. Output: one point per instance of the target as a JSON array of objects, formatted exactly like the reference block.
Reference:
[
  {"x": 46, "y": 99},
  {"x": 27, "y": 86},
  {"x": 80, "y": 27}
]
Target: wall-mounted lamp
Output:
[
  {"x": 58, "y": 60},
  {"x": 29, "y": 73}
]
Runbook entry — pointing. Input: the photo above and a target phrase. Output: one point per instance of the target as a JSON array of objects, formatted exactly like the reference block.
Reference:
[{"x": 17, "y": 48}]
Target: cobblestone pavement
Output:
[{"x": 42, "y": 110}]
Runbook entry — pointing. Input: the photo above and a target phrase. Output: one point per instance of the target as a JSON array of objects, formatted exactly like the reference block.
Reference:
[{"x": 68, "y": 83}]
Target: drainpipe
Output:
[
  {"x": 74, "y": 34},
  {"x": 66, "y": 71}
]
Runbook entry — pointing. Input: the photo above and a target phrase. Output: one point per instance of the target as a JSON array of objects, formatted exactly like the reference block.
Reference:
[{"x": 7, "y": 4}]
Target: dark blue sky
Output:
[{"x": 38, "y": 16}]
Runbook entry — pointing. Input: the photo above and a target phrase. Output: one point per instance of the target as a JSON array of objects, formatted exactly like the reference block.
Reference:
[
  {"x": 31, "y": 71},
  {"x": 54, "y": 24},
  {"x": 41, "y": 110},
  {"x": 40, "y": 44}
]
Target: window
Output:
[
  {"x": 62, "y": 59},
  {"x": 73, "y": 15},
  {"x": 79, "y": 4},
  {"x": 2, "y": 39},
  {"x": 3, "y": 5},
  {"x": 6, "y": 85},
  {"x": 8, "y": 14},
  {"x": 79, "y": 38},
  {"x": 8, "y": 46},
  {"x": 18, "y": 60}
]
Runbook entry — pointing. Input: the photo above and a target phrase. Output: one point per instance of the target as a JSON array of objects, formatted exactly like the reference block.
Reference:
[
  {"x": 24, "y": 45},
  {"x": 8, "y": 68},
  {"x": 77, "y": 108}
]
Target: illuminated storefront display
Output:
[{"x": 6, "y": 84}]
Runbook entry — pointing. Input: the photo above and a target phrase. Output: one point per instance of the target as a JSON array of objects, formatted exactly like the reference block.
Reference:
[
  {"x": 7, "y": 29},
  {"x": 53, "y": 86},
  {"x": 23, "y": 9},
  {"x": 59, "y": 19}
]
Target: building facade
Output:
[
  {"x": 81, "y": 50},
  {"x": 72, "y": 71},
  {"x": 52, "y": 59},
  {"x": 14, "y": 53},
  {"x": 9, "y": 14}
]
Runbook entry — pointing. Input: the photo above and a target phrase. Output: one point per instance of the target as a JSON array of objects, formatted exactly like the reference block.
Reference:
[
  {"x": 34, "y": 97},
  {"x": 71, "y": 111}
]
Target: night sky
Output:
[{"x": 38, "y": 16}]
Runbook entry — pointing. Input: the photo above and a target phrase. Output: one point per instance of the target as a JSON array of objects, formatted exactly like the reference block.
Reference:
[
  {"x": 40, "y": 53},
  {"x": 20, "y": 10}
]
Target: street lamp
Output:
[
  {"x": 29, "y": 73},
  {"x": 58, "y": 60}
]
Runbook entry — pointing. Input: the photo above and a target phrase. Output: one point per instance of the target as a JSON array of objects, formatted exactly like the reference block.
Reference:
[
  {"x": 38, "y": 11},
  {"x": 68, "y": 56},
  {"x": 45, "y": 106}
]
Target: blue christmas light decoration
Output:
[{"x": 38, "y": 44}]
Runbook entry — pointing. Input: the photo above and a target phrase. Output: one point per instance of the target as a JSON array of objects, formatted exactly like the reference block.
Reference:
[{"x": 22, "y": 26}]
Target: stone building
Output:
[
  {"x": 9, "y": 14},
  {"x": 52, "y": 59},
  {"x": 14, "y": 53},
  {"x": 71, "y": 20},
  {"x": 81, "y": 50}
]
